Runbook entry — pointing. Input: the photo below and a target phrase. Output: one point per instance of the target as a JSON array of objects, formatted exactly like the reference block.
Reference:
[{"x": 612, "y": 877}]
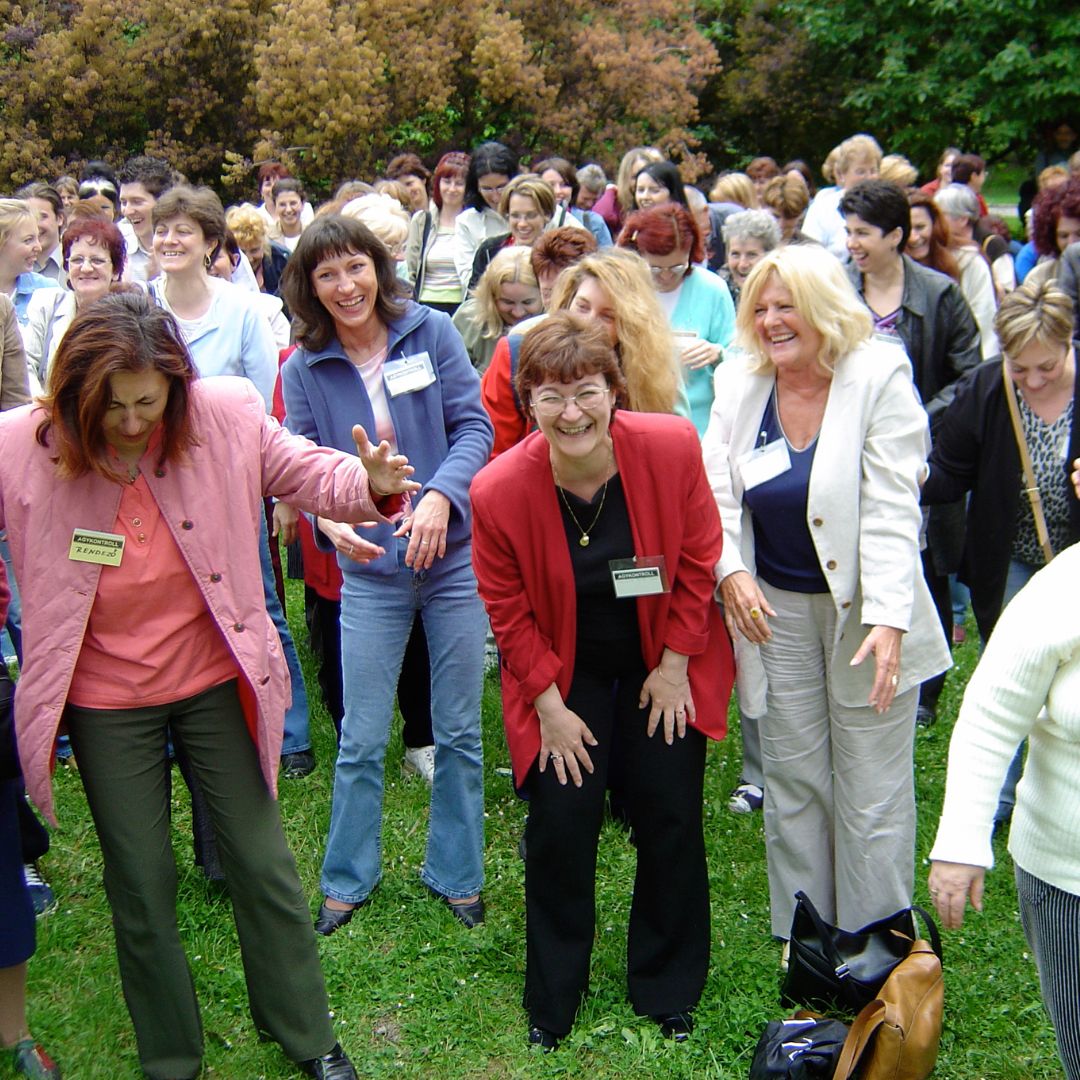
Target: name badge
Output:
[
  {"x": 764, "y": 463},
  {"x": 104, "y": 548},
  {"x": 409, "y": 374},
  {"x": 644, "y": 575}
]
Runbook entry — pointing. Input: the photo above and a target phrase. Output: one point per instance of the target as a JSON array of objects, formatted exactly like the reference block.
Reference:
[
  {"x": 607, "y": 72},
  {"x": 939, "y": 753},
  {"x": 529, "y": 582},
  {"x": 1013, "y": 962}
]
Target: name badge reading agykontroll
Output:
[
  {"x": 106, "y": 549},
  {"x": 764, "y": 463},
  {"x": 409, "y": 374},
  {"x": 643, "y": 575}
]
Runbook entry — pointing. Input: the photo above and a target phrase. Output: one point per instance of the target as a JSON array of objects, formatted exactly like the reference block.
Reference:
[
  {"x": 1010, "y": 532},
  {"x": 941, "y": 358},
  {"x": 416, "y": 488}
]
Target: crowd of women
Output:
[{"x": 659, "y": 443}]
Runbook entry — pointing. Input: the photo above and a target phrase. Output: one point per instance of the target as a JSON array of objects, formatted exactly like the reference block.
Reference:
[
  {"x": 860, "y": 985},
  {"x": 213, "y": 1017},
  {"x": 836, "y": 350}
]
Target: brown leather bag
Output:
[{"x": 896, "y": 1036}]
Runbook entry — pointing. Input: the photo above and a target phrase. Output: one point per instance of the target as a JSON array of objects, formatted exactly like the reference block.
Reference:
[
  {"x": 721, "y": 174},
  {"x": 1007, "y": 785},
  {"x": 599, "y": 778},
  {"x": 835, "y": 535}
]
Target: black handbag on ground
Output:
[
  {"x": 805, "y": 1047},
  {"x": 846, "y": 969}
]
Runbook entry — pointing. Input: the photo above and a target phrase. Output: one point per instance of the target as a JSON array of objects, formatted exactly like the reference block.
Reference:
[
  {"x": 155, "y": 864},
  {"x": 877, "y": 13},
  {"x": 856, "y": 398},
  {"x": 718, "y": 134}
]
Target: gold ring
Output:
[{"x": 755, "y": 613}]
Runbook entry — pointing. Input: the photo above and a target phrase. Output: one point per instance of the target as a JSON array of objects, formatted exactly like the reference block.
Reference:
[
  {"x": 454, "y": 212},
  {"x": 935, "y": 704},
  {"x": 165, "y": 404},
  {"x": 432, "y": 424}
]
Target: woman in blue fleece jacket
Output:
[{"x": 401, "y": 370}]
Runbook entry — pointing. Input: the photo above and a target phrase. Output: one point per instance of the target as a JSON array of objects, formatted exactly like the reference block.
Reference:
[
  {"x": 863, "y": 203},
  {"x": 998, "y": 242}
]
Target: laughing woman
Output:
[{"x": 403, "y": 368}]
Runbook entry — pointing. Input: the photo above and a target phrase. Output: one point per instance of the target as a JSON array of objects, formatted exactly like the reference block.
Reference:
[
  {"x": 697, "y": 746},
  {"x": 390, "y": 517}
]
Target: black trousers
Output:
[
  {"x": 661, "y": 785},
  {"x": 938, "y": 584}
]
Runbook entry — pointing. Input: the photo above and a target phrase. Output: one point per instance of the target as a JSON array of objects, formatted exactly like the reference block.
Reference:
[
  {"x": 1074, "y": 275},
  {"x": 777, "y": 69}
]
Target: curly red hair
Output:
[{"x": 1051, "y": 205}]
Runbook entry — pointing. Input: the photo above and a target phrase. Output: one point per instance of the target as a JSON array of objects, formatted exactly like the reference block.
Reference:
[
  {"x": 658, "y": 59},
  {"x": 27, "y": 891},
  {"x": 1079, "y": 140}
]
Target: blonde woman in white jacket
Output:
[{"x": 815, "y": 448}]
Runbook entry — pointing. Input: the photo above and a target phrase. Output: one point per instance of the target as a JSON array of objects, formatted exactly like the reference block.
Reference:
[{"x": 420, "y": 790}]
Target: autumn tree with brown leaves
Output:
[{"x": 341, "y": 86}]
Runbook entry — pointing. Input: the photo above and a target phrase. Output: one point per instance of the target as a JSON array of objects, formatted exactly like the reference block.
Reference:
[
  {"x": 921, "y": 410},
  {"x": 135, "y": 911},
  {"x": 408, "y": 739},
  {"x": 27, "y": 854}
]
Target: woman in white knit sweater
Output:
[{"x": 1027, "y": 684}]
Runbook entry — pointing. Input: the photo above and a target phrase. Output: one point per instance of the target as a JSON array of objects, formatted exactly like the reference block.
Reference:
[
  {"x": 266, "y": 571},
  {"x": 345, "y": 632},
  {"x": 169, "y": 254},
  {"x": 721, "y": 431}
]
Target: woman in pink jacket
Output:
[{"x": 130, "y": 496}]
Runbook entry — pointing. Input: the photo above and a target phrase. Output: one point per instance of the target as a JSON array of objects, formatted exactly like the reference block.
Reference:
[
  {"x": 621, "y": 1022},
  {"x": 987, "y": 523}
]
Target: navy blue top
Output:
[{"x": 785, "y": 553}]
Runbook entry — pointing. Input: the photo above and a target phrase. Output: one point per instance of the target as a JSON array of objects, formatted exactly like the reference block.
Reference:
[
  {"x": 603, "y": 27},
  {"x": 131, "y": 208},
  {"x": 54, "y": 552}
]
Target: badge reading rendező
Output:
[{"x": 104, "y": 548}]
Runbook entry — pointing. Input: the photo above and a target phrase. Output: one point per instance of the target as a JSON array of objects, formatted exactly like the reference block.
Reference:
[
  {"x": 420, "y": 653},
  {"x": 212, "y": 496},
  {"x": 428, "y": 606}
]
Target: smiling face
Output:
[
  {"x": 136, "y": 204},
  {"x": 593, "y": 301},
  {"x": 788, "y": 340},
  {"x": 491, "y": 188},
  {"x": 135, "y": 410},
  {"x": 517, "y": 301},
  {"x": 347, "y": 286},
  {"x": 1041, "y": 370},
  {"x": 289, "y": 206},
  {"x": 526, "y": 219},
  {"x": 742, "y": 254},
  {"x": 48, "y": 224},
  {"x": 648, "y": 193},
  {"x": 573, "y": 433},
  {"x": 22, "y": 249},
  {"x": 416, "y": 189},
  {"x": 922, "y": 228},
  {"x": 871, "y": 250},
  {"x": 865, "y": 168},
  {"x": 452, "y": 190},
  {"x": 90, "y": 270},
  {"x": 562, "y": 189},
  {"x": 180, "y": 246}
]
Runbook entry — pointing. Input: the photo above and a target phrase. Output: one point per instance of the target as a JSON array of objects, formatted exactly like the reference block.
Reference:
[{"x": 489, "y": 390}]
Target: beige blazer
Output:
[
  {"x": 862, "y": 511},
  {"x": 13, "y": 375}
]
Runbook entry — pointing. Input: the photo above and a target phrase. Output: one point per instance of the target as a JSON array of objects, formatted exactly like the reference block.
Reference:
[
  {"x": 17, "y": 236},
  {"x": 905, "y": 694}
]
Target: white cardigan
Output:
[
  {"x": 862, "y": 511},
  {"x": 1027, "y": 684}
]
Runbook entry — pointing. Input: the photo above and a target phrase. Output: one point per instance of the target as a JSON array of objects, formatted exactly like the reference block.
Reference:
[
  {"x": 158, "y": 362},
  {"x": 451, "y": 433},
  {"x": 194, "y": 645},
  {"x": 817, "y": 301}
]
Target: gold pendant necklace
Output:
[{"x": 584, "y": 541}]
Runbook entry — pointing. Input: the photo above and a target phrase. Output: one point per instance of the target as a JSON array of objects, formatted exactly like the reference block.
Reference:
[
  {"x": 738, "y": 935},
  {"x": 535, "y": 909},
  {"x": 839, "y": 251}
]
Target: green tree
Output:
[{"x": 922, "y": 74}]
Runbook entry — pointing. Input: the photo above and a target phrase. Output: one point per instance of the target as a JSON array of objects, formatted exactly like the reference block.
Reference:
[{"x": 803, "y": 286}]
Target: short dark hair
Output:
[
  {"x": 880, "y": 203},
  {"x": 564, "y": 347},
  {"x": 45, "y": 192},
  {"x": 327, "y": 237},
  {"x": 407, "y": 164},
  {"x": 965, "y": 166},
  {"x": 198, "y": 203},
  {"x": 101, "y": 232},
  {"x": 489, "y": 157},
  {"x": 121, "y": 332},
  {"x": 668, "y": 176},
  {"x": 153, "y": 173},
  {"x": 287, "y": 183},
  {"x": 564, "y": 169}
]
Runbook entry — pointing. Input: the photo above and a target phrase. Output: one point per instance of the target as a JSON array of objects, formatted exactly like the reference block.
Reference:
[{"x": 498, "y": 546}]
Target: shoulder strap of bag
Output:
[
  {"x": 419, "y": 283},
  {"x": 824, "y": 931},
  {"x": 1031, "y": 488},
  {"x": 859, "y": 1036}
]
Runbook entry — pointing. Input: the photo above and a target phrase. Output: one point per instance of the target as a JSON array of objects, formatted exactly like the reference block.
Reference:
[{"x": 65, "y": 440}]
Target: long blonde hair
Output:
[
  {"x": 12, "y": 212},
  {"x": 633, "y": 161},
  {"x": 646, "y": 348},
  {"x": 510, "y": 266}
]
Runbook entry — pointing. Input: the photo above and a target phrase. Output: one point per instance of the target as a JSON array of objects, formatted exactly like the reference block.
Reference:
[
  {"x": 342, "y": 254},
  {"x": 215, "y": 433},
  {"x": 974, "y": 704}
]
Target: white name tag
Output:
[
  {"x": 409, "y": 374},
  {"x": 645, "y": 575},
  {"x": 764, "y": 463},
  {"x": 96, "y": 547}
]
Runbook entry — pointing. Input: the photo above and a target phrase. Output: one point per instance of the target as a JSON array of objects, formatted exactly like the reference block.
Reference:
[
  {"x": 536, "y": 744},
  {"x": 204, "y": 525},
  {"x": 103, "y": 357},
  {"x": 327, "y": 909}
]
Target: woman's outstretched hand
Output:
[{"x": 388, "y": 473}]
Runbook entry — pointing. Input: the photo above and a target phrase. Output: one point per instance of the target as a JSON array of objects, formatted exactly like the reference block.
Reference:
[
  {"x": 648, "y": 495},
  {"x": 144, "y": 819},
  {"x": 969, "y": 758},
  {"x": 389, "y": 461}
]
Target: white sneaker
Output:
[{"x": 420, "y": 760}]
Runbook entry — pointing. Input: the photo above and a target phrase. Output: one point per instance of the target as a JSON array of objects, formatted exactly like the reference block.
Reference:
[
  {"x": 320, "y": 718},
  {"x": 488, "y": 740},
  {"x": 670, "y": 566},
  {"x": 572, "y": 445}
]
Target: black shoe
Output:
[
  {"x": 332, "y": 1066},
  {"x": 925, "y": 716},
  {"x": 470, "y": 915},
  {"x": 676, "y": 1026},
  {"x": 544, "y": 1039},
  {"x": 330, "y": 920},
  {"x": 298, "y": 764}
]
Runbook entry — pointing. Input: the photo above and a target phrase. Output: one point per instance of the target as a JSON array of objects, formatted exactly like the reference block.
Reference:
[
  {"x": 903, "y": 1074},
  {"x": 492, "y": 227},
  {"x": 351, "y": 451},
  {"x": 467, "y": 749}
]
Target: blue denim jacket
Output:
[{"x": 442, "y": 429}]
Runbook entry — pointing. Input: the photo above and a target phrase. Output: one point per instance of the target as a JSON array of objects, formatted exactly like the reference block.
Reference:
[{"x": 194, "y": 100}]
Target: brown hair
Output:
[
  {"x": 325, "y": 238},
  {"x": 121, "y": 332},
  {"x": 198, "y": 203},
  {"x": 564, "y": 347},
  {"x": 560, "y": 248},
  {"x": 939, "y": 257}
]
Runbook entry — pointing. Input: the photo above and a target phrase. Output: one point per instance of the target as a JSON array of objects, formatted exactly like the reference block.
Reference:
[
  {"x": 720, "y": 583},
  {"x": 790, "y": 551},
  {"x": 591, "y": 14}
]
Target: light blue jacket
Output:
[
  {"x": 25, "y": 285},
  {"x": 442, "y": 428},
  {"x": 705, "y": 307}
]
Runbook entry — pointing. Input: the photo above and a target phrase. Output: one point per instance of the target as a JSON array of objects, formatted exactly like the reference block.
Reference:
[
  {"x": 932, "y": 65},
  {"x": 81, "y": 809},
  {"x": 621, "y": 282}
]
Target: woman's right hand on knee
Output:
[{"x": 563, "y": 738}]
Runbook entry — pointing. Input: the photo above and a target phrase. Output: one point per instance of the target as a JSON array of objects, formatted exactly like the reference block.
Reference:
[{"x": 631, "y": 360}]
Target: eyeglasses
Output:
[
  {"x": 527, "y": 215},
  {"x": 492, "y": 189},
  {"x": 678, "y": 270},
  {"x": 588, "y": 400},
  {"x": 95, "y": 262}
]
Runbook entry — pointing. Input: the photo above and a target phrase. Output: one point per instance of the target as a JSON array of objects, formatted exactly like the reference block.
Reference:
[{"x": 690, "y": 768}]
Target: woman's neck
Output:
[
  {"x": 189, "y": 293},
  {"x": 364, "y": 343},
  {"x": 890, "y": 276},
  {"x": 448, "y": 215},
  {"x": 584, "y": 476}
]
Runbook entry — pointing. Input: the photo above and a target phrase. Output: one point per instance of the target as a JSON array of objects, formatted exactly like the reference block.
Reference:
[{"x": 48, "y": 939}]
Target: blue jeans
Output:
[
  {"x": 377, "y": 613},
  {"x": 297, "y": 735}
]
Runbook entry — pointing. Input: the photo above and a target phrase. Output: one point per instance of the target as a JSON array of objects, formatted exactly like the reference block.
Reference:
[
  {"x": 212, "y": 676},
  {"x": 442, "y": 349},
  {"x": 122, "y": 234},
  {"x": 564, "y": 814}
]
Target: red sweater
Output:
[{"x": 526, "y": 579}]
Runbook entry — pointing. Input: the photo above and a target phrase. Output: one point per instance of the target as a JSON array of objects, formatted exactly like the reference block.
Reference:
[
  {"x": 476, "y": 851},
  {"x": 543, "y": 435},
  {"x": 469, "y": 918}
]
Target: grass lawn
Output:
[{"x": 416, "y": 995}]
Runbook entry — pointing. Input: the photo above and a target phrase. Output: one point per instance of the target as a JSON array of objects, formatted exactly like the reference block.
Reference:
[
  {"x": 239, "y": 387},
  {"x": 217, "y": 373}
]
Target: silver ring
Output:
[
  {"x": 556, "y": 757},
  {"x": 896, "y": 680}
]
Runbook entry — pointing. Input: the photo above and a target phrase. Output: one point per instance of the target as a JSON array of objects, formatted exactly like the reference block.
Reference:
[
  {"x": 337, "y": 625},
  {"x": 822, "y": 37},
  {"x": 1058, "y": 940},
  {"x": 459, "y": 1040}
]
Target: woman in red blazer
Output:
[{"x": 594, "y": 543}]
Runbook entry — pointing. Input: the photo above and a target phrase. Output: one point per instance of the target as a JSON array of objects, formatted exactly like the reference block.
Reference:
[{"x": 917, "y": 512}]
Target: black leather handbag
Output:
[
  {"x": 805, "y": 1047},
  {"x": 845, "y": 969}
]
